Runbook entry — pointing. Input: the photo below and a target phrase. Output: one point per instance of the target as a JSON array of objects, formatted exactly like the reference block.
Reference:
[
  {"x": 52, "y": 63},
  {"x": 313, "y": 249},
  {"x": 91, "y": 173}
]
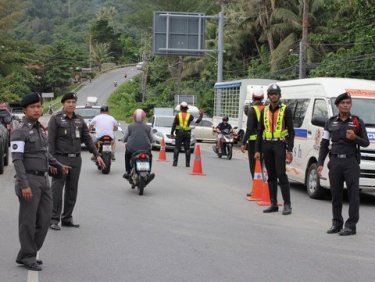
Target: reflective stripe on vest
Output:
[
  {"x": 257, "y": 109},
  {"x": 183, "y": 124},
  {"x": 277, "y": 130}
]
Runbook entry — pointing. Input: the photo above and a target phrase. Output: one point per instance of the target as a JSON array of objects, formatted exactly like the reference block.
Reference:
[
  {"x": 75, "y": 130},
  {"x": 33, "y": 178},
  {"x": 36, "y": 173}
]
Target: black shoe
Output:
[
  {"x": 38, "y": 261},
  {"x": 151, "y": 177},
  {"x": 248, "y": 195},
  {"x": 347, "y": 231},
  {"x": 187, "y": 165},
  {"x": 287, "y": 210},
  {"x": 34, "y": 266},
  {"x": 271, "y": 209},
  {"x": 174, "y": 164},
  {"x": 334, "y": 229},
  {"x": 69, "y": 224},
  {"x": 126, "y": 176},
  {"x": 55, "y": 226}
]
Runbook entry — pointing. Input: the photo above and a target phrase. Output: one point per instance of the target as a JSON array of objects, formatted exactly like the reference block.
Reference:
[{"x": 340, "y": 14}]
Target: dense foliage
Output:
[{"x": 44, "y": 49}]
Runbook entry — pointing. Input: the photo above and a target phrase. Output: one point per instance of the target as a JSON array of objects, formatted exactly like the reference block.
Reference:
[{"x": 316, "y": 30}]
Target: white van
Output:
[{"x": 312, "y": 103}]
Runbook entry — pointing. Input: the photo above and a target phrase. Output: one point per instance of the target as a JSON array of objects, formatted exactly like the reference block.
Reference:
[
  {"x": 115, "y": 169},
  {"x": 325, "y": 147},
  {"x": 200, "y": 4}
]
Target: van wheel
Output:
[{"x": 314, "y": 190}]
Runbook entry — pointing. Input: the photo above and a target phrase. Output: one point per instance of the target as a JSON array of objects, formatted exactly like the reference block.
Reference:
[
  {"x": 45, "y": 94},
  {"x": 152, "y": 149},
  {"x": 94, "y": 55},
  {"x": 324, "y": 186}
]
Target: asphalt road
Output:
[{"x": 189, "y": 228}]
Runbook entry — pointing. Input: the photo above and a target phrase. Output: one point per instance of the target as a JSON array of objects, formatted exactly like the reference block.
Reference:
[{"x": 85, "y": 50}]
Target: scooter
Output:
[
  {"x": 140, "y": 174},
  {"x": 104, "y": 147},
  {"x": 227, "y": 146}
]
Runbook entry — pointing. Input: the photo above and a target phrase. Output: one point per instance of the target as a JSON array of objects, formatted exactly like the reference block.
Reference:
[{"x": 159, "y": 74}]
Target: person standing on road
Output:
[
  {"x": 347, "y": 133},
  {"x": 250, "y": 136},
  {"x": 66, "y": 132},
  {"x": 181, "y": 126},
  {"x": 275, "y": 140},
  {"x": 31, "y": 162},
  {"x": 105, "y": 124}
]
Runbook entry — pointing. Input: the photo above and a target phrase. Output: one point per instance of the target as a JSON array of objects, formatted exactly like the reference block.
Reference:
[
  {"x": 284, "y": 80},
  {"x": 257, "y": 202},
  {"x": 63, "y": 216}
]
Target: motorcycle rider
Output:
[
  {"x": 138, "y": 137},
  {"x": 105, "y": 124},
  {"x": 115, "y": 83},
  {"x": 222, "y": 128}
]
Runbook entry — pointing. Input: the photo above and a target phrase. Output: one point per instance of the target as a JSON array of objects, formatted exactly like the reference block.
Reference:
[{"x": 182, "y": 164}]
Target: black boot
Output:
[{"x": 271, "y": 208}]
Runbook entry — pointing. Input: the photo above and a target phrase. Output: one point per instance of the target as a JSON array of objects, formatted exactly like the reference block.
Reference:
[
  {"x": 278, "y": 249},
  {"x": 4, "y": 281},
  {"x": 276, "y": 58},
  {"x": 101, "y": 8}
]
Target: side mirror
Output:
[{"x": 319, "y": 121}]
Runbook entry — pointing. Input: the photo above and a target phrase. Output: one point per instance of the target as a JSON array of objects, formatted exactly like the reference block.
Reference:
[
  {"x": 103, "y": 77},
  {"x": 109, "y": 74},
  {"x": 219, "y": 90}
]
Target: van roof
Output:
[{"x": 335, "y": 86}]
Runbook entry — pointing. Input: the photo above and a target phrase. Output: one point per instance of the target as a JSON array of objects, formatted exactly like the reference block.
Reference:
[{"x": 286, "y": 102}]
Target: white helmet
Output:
[
  {"x": 184, "y": 105},
  {"x": 258, "y": 94},
  {"x": 139, "y": 115}
]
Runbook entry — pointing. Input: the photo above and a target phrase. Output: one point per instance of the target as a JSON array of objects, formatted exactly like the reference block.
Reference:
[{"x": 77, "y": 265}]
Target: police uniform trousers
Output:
[
  {"x": 34, "y": 217},
  {"x": 274, "y": 154},
  {"x": 182, "y": 137},
  {"x": 347, "y": 170},
  {"x": 70, "y": 181},
  {"x": 251, "y": 153}
]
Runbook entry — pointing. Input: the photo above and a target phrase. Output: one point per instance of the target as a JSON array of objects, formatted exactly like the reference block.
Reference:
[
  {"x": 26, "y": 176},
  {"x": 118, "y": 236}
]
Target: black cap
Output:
[
  {"x": 104, "y": 109},
  {"x": 67, "y": 96},
  {"x": 341, "y": 97},
  {"x": 29, "y": 99}
]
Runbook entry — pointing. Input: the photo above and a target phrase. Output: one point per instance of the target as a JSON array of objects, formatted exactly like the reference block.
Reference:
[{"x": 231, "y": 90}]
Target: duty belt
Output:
[
  {"x": 342, "y": 156},
  {"x": 37, "y": 172},
  {"x": 73, "y": 155}
]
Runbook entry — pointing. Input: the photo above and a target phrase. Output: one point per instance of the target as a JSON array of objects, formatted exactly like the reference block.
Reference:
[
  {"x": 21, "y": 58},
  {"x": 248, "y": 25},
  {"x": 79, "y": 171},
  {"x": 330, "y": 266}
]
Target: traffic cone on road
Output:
[
  {"x": 256, "y": 194},
  {"x": 265, "y": 200},
  {"x": 197, "y": 168},
  {"x": 162, "y": 154}
]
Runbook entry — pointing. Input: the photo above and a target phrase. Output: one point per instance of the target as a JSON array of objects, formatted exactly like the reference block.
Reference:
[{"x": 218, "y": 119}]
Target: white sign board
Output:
[{"x": 48, "y": 95}]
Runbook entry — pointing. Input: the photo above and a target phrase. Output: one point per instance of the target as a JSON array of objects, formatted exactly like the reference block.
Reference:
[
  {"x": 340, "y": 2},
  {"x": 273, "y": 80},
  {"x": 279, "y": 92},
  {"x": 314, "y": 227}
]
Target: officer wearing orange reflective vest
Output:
[
  {"x": 275, "y": 140},
  {"x": 181, "y": 125},
  {"x": 253, "y": 117},
  {"x": 347, "y": 133}
]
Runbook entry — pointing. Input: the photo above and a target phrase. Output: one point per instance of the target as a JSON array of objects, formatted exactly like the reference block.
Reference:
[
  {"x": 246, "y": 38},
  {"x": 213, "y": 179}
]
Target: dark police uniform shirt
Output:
[
  {"x": 65, "y": 134},
  {"x": 29, "y": 150},
  {"x": 335, "y": 129}
]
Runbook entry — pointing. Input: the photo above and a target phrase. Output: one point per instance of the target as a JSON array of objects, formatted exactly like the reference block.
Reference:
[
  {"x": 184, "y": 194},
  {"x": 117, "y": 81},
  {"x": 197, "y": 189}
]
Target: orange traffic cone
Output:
[
  {"x": 162, "y": 155},
  {"x": 256, "y": 194},
  {"x": 197, "y": 168},
  {"x": 265, "y": 200}
]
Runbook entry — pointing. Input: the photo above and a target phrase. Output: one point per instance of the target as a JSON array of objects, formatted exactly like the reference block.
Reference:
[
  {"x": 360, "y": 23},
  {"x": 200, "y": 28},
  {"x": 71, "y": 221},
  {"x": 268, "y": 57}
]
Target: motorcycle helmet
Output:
[
  {"x": 226, "y": 118},
  {"x": 104, "y": 109},
  {"x": 139, "y": 115},
  {"x": 274, "y": 88},
  {"x": 184, "y": 106},
  {"x": 258, "y": 94}
]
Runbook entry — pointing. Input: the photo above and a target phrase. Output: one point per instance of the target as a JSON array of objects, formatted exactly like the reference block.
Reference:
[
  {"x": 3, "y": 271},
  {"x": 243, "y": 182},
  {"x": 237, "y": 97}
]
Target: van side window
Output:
[
  {"x": 298, "y": 108},
  {"x": 320, "y": 109}
]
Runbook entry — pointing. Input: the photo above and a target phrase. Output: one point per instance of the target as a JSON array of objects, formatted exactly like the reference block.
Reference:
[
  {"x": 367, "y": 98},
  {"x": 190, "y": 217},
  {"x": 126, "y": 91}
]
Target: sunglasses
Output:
[{"x": 273, "y": 93}]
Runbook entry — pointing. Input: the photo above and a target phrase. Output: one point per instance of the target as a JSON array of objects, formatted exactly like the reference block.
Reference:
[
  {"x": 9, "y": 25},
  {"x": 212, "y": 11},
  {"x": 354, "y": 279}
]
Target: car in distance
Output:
[
  {"x": 161, "y": 128},
  {"x": 203, "y": 131}
]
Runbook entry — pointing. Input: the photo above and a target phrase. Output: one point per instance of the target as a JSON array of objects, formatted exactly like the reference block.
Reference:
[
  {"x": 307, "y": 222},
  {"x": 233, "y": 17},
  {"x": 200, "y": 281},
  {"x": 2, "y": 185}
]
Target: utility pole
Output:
[
  {"x": 303, "y": 43},
  {"x": 220, "y": 44}
]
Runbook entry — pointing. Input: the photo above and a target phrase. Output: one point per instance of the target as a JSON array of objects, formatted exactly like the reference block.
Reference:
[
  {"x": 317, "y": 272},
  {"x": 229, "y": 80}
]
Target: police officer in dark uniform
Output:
[
  {"x": 275, "y": 140},
  {"x": 181, "y": 125},
  {"x": 347, "y": 132},
  {"x": 250, "y": 136},
  {"x": 31, "y": 162},
  {"x": 66, "y": 132}
]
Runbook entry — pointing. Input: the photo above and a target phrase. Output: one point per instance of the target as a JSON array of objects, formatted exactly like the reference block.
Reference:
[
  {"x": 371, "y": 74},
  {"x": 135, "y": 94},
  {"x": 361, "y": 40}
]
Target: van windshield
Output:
[{"x": 362, "y": 108}]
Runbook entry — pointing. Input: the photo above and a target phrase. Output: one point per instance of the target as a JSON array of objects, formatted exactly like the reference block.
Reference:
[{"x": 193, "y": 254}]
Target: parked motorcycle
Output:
[
  {"x": 227, "y": 145},
  {"x": 104, "y": 147},
  {"x": 140, "y": 174}
]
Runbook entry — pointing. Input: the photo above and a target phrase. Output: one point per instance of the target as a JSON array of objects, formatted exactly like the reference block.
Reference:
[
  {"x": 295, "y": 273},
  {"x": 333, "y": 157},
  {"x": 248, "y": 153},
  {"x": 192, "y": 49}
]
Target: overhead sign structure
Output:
[
  {"x": 48, "y": 95},
  {"x": 179, "y": 34}
]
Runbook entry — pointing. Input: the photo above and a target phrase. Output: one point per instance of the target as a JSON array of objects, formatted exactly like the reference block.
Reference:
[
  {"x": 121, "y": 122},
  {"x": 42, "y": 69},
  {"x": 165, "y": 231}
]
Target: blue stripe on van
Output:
[
  {"x": 371, "y": 136},
  {"x": 300, "y": 133}
]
